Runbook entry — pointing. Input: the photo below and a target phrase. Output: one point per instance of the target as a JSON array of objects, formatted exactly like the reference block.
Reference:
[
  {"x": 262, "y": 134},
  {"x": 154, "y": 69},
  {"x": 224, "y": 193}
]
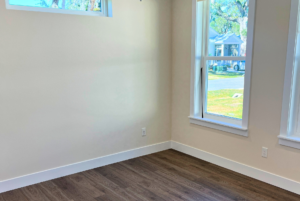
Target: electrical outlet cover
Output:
[
  {"x": 144, "y": 132},
  {"x": 264, "y": 152}
]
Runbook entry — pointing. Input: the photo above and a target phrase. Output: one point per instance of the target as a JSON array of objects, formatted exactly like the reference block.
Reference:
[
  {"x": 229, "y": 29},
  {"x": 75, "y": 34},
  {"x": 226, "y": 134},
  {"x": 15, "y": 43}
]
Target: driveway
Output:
[
  {"x": 234, "y": 71},
  {"x": 230, "y": 83}
]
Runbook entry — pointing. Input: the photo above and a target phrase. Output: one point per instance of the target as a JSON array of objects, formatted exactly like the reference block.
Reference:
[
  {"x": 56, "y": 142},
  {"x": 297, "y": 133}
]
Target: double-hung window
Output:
[
  {"x": 222, "y": 43},
  {"x": 79, "y": 7},
  {"x": 290, "y": 116}
]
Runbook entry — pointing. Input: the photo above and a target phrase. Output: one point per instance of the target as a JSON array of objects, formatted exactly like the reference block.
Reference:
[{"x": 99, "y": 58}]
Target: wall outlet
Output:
[
  {"x": 264, "y": 152},
  {"x": 144, "y": 132}
]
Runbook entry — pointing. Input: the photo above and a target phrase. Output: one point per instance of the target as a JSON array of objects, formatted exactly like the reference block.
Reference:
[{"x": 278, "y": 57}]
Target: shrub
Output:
[{"x": 219, "y": 68}]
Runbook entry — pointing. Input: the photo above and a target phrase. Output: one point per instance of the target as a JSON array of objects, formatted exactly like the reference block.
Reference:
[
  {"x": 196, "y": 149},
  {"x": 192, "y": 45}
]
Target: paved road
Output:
[
  {"x": 234, "y": 71},
  {"x": 230, "y": 83}
]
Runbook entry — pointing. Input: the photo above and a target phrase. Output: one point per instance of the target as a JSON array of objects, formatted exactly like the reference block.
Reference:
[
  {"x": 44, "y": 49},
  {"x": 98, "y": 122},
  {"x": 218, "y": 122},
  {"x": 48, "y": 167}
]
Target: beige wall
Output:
[
  {"x": 270, "y": 44},
  {"x": 73, "y": 88}
]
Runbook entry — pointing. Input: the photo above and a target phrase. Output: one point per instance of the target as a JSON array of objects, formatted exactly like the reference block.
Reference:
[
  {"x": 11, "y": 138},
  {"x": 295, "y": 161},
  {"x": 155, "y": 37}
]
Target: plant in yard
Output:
[{"x": 216, "y": 75}]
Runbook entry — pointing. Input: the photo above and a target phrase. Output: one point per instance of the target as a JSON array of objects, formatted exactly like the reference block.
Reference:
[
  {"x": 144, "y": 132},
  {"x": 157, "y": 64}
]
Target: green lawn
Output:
[
  {"x": 221, "y": 102},
  {"x": 223, "y": 75}
]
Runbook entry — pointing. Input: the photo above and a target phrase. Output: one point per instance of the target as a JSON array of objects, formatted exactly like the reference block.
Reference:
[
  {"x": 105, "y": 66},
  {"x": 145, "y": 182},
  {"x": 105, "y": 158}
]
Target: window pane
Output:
[
  {"x": 80, "y": 5},
  {"x": 225, "y": 88},
  {"x": 228, "y": 21}
]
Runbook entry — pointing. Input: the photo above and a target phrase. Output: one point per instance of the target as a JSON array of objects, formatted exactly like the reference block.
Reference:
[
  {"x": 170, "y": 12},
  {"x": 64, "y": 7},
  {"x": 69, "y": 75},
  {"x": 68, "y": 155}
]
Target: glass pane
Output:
[
  {"x": 80, "y": 5},
  {"x": 225, "y": 88},
  {"x": 228, "y": 21}
]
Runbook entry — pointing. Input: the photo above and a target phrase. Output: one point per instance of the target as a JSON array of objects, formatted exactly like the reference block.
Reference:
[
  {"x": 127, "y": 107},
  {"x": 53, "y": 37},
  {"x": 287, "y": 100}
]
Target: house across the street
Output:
[{"x": 228, "y": 44}]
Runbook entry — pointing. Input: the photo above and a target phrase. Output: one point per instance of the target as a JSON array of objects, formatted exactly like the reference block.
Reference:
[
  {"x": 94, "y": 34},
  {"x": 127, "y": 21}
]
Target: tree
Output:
[
  {"x": 230, "y": 16},
  {"x": 84, "y": 5},
  {"x": 92, "y": 5}
]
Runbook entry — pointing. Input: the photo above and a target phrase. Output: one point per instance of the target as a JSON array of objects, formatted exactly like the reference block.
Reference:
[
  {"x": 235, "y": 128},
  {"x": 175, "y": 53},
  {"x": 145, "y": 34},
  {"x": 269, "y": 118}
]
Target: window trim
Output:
[
  {"x": 286, "y": 137},
  {"x": 196, "y": 96},
  {"x": 107, "y": 11}
]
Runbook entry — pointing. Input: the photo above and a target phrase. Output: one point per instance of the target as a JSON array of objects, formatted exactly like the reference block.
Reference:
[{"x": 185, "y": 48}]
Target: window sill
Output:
[
  {"x": 289, "y": 141},
  {"x": 230, "y": 128}
]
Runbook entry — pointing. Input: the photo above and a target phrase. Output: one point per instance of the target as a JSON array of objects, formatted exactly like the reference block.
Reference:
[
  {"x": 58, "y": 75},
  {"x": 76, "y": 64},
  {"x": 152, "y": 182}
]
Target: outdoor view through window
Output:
[
  {"x": 224, "y": 77},
  {"x": 78, "y": 5}
]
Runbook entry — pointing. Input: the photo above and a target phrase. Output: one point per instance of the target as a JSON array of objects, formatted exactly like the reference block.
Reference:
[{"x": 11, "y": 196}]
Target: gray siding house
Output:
[{"x": 224, "y": 45}]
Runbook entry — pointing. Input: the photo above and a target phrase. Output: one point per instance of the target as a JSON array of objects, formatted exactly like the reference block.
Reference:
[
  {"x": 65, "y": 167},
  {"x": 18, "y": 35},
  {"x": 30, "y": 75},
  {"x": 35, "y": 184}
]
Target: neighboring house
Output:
[{"x": 224, "y": 45}]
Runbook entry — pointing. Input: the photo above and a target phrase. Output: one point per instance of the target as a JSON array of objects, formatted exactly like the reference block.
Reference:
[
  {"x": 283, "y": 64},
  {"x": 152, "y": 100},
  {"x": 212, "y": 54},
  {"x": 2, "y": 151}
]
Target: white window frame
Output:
[
  {"x": 290, "y": 116},
  {"x": 200, "y": 29},
  {"x": 106, "y": 4}
]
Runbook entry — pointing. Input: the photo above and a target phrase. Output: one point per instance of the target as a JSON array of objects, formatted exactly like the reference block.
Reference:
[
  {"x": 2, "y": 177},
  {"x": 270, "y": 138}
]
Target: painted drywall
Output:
[
  {"x": 270, "y": 45},
  {"x": 74, "y": 88}
]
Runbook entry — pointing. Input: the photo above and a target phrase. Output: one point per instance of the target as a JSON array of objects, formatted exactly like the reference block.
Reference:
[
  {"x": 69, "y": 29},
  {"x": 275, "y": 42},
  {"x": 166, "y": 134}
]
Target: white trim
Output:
[
  {"x": 38, "y": 177},
  {"x": 200, "y": 29},
  {"x": 291, "y": 141},
  {"x": 289, "y": 69},
  {"x": 196, "y": 54},
  {"x": 107, "y": 9},
  {"x": 289, "y": 126},
  {"x": 219, "y": 125},
  {"x": 248, "y": 65},
  {"x": 223, "y": 119},
  {"x": 298, "y": 121},
  {"x": 249, "y": 171},
  {"x": 255, "y": 173}
]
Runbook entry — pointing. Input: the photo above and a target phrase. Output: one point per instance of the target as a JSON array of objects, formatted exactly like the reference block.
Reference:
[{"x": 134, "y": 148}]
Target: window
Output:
[
  {"x": 221, "y": 64},
  {"x": 80, "y": 7},
  {"x": 234, "y": 50},
  {"x": 290, "y": 119}
]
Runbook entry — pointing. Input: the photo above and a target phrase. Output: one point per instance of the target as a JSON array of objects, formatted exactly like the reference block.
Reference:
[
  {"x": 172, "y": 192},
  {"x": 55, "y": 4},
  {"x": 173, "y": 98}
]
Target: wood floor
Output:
[{"x": 167, "y": 175}]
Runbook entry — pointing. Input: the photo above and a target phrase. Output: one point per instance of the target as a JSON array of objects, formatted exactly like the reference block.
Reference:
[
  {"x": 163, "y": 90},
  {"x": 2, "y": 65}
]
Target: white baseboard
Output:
[
  {"x": 47, "y": 175},
  {"x": 255, "y": 173}
]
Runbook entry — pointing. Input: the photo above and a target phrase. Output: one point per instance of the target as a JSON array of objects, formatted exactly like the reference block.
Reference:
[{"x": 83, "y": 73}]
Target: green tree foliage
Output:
[
  {"x": 83, "y": 5},
  {"x": 229, "y": 16}
]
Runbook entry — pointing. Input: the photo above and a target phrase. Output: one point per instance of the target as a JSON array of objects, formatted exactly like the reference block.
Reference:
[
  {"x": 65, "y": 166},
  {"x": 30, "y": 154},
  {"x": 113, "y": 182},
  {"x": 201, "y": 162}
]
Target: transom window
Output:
[
  {"x": 81, "y": 7},
  {"x": 221, "y": 70}
]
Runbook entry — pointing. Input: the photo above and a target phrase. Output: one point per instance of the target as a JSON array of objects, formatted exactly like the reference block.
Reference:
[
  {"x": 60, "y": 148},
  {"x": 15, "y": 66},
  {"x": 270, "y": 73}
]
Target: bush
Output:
[{"x": 219, "y": 68}]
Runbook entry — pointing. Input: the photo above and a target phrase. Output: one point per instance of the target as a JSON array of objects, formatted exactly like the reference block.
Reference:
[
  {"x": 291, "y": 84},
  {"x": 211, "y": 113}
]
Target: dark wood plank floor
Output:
[{"x": 167, "y": 175}]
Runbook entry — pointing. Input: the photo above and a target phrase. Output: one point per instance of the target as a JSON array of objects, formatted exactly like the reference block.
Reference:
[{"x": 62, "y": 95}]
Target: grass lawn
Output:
[
  {"x": 221, "y": 102},
  {"x": 223, "y": 75}
]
